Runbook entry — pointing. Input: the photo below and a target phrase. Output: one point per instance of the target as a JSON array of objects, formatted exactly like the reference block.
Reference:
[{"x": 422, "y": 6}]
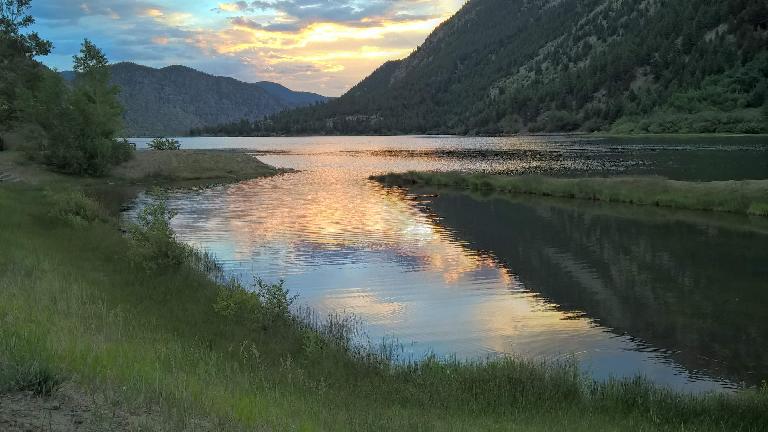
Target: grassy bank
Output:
[
  {"x": 167, "y": 168},
  {"x": 145, "y": 170},
  {"x": 187, "y": 353},
  {"x": 743, "y": 197},
  {"x": 207, "y": 166}
]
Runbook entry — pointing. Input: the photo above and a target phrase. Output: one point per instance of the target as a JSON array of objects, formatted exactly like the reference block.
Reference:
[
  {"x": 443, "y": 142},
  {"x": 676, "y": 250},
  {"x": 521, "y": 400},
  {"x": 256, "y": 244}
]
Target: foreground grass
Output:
[
  {"x": 75, "y": 307},
  {"x": 744, "y": 197}
]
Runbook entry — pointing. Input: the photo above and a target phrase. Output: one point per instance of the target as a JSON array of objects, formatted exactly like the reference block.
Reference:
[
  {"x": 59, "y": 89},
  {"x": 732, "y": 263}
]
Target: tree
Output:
[
  {"x": 18, "y": 69},
  {"x": 95, "y": 119},
  {"x": 14, "y": 17},
  {"x": 90, "y": 60},
  {"x": 76, "y": 128}
]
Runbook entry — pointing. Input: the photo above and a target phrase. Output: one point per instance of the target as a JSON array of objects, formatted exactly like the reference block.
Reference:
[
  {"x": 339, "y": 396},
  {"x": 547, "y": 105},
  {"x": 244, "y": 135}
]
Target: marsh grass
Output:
[
  {"x": 75, "y": 308},
  {"x": 744, "y": 197},
  {"x": 192, "y": 165}
]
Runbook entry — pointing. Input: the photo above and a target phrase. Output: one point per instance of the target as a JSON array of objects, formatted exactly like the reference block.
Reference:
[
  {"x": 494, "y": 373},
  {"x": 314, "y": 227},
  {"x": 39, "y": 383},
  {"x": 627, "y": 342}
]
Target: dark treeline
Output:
[
  {"x": 501, "y": 66},
  {"x": 72, "y": 127}
]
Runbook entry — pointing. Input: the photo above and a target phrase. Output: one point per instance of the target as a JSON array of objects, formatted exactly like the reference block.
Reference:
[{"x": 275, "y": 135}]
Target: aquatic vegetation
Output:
[{"x": 745, "y": 196}]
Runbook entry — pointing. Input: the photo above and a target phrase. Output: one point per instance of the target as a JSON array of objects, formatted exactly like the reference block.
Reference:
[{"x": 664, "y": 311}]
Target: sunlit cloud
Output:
[
  {"x": 152, "y": 12},
  {"x": 325, "y": 46}
]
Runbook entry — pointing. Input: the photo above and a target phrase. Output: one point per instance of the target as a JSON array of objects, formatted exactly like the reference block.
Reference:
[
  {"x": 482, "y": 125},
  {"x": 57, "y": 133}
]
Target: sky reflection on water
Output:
[{"x": 409, "y": 271}]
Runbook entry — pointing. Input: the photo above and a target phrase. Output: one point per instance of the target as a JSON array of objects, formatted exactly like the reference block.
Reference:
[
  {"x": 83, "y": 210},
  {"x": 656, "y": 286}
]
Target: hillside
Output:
[
  {"x": 503, "y": 66},
  {"x": 175, "y": 99}
]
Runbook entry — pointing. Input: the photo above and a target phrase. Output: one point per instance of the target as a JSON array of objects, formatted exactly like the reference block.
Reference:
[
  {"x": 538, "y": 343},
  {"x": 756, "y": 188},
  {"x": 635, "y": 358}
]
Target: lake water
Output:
[{"x": 680, "y": 297}]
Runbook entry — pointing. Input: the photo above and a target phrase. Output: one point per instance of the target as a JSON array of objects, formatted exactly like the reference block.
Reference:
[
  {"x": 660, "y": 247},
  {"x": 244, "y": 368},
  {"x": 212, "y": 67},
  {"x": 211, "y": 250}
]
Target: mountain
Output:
[
  {"x": 502, "y": 66},
  {"x": 175, "y": 99}
]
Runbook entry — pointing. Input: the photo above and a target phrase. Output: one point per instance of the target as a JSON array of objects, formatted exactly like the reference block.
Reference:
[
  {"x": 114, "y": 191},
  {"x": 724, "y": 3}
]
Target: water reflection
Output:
[
  {"x": 459, "y": 275},
  {"x": 696, "y": 292},
  {"x": 698, "y": 158}
]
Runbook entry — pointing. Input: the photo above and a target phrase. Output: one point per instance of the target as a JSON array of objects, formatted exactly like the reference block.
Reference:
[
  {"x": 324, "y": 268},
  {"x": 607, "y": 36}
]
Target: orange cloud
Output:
[{"x": 345, "y": 52}]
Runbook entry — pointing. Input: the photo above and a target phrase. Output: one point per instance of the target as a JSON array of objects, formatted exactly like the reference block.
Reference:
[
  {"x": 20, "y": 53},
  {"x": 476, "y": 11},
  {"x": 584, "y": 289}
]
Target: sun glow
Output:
[
  {"x": 242, "y": 37},
  {"x": 323, "y": 47}
]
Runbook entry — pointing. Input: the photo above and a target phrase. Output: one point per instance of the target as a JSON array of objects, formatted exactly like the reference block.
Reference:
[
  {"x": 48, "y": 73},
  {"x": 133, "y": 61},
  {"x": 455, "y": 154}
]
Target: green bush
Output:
[
  {"x": 76, "y": 208},
  {"x": 122, "y": 151},
  {"x": 233, "y": 300},
  {"x": 155, "y": 243},
  {"x": 164, "y": 144},
  {"x": 268, "y": 303},
  {"x": 275, "y": 299}
]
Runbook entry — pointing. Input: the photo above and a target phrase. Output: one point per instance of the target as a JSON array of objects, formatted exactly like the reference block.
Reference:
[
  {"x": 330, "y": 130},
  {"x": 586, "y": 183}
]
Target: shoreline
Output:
[
  {"x": 146, "y": 170},
  {"x": 518, "y": 135},
  {"x": 190, "y": 351},
  {"x": 746, "y": 197}
]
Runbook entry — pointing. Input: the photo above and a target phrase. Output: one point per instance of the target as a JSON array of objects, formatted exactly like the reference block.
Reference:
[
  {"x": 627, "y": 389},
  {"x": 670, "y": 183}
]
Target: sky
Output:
[{"x": 323, "y": 46}]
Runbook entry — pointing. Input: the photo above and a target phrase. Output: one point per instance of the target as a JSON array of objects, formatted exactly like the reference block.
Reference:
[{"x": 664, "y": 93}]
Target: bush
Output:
[
  {"x": 76, "y": 208},
  {"x": 235, "y": 301},
  {"x": 164, "y": 144},
  {"x": 275, "y": 299},
  {"x": 267, "y": 304},
  {"x": 156, "y": 244},
  {"x": 122, "y": 151}
]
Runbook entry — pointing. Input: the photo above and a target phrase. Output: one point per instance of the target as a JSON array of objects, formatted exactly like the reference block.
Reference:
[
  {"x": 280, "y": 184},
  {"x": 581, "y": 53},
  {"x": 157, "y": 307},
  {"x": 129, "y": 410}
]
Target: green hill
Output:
[
  {"x": 172, "y": 100},
  {"x": 503, "y": 66}
]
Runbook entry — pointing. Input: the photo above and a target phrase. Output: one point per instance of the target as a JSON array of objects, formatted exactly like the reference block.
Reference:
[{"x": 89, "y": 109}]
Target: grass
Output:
[
  {"x": 166, "y": 169},
  {"x": 204, "y": 355},
  {"x": 192, "y": 165},
  {"x": 744, "y": 197},
  {"x": 178, "y": 167}
]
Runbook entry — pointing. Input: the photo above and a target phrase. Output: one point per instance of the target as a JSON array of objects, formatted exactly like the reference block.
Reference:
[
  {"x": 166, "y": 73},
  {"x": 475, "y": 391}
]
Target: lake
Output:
[{"x": 680, "y": 297}]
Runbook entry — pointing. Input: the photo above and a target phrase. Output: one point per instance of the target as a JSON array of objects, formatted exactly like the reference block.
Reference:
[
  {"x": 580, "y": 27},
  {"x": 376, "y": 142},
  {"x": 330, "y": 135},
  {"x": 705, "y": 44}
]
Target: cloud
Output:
[
  {"x": 239, "y": 6},
  {"x": 315, "y": 45}
]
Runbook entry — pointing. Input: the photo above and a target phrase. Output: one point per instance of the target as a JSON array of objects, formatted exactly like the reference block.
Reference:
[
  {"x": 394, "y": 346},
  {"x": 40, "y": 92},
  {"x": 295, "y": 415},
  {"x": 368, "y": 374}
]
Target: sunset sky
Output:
[{"x": 325, "y": 46}]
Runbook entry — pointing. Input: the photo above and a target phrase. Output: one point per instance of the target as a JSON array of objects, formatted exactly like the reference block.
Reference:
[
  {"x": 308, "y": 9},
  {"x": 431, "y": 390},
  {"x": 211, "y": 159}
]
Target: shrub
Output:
[
  {"x": 122, "y": 151},
  {"x": 268, "y": 303},
  {"x": 156, "y": 244},
  {"x": 276, "y": 300},
  {"x": 164, "y": 144},
  {"x": 233, "y": 300},
  {"x": 76, "y": 208}
]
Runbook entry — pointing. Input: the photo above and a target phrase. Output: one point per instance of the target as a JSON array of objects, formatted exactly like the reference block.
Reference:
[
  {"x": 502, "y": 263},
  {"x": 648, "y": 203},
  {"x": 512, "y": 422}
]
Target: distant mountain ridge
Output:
[
  {"x": 175, "y": 99},
  {"x": 503, "y": 66}
]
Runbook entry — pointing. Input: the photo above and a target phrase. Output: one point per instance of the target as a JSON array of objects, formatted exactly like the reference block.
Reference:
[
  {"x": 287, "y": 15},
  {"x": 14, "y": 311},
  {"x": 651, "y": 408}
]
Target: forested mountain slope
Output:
[
  {"x": 174, "y": 99},
  {"x": 502, "y": 66}
]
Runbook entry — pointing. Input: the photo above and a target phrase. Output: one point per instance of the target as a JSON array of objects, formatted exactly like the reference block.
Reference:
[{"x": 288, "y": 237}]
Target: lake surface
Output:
[{"x": 681, "y": 297}]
